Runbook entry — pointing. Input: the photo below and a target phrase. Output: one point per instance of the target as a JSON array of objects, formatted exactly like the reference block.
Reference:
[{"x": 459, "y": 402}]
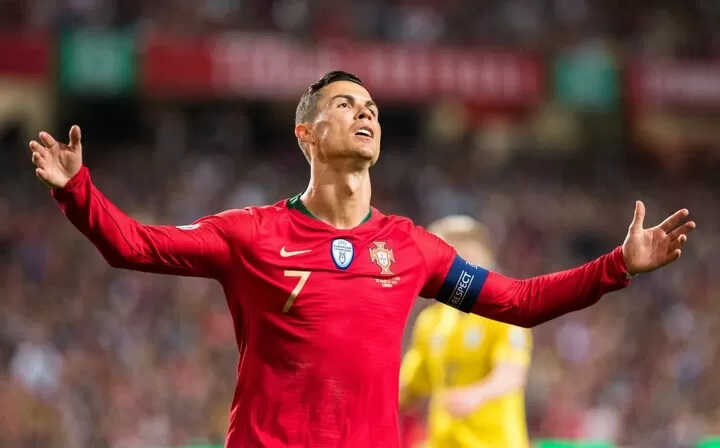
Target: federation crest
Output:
[
  {"x": 383, "y": 257},
  {"x": 342, "y": 253}
]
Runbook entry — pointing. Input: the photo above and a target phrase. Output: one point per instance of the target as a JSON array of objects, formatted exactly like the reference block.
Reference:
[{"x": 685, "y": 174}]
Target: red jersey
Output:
[{"x": 319, "y": 312}]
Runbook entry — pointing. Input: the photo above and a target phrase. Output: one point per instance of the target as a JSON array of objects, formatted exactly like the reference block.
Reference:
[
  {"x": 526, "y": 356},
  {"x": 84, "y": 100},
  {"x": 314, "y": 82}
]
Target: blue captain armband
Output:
[{"x": 462, "y": 285}]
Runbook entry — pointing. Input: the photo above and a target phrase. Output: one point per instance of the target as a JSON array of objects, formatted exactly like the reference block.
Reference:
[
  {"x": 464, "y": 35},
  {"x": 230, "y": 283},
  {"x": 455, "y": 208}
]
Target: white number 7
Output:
[{"x": 303, "y": 276}]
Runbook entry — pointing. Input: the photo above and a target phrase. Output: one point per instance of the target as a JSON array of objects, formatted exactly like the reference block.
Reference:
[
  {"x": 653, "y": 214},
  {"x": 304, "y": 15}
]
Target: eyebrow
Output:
[{"x": 369, "y": 103}]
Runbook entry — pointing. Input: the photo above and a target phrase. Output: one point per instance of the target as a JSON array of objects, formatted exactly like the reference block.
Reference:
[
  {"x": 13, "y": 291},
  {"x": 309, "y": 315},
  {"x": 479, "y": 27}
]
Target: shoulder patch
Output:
[{"x": 189, "y": 227}]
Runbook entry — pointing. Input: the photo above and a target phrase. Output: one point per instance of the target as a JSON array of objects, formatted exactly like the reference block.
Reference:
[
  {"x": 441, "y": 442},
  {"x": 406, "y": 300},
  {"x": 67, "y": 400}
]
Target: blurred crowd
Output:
[
  {"x": 670, "y": 27},
  {"x": 92, "y": 356}
]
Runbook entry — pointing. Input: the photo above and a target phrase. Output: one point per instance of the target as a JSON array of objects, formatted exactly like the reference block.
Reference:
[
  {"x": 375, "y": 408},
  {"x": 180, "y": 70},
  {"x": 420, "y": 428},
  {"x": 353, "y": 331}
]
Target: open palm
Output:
[
  {"x": 56, "y": 163},
  {"x": 645, "y": 250}
]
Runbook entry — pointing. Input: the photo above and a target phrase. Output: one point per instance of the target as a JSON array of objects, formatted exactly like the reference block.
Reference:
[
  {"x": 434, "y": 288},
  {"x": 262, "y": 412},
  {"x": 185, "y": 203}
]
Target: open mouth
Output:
[{"x": 365, "y": 132}]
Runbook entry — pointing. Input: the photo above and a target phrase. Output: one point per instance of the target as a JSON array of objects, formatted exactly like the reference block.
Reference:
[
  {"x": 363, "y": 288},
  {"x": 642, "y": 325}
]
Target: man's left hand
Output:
[{"x": 645, "y": 250}]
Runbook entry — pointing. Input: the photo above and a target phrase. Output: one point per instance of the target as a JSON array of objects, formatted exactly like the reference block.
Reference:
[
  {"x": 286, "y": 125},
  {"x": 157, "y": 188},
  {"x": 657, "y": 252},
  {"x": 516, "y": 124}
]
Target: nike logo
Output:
[{"x": 285, "y": 254}]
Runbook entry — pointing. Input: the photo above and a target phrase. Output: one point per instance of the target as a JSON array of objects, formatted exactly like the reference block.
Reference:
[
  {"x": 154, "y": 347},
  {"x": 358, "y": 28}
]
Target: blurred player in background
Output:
[
  {"x": 319, "y": 285},
  {"x": 471, "y": 368}
]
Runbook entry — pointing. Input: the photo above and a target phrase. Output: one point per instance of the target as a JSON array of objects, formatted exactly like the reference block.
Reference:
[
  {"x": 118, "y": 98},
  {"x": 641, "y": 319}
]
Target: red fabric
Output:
[
  {"x": 324, "y": 373},
  {"x": 414, "y": 430},
  {"x": 536, "y": 300}
]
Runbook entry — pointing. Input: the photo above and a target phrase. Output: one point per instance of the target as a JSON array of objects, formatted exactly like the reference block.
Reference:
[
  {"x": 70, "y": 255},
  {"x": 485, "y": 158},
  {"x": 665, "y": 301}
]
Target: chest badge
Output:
[
  {"x": 342, "y": 253},
  {"x": 383, "y": 257}
]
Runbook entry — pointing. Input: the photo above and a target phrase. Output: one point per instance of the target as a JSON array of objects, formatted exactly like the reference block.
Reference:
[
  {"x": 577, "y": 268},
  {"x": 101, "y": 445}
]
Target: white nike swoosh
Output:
[{"x": 284, "y": 253}]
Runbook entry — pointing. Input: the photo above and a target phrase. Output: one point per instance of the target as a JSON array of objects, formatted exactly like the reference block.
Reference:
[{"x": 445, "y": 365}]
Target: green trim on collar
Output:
[{"x": 298, "y": 205}]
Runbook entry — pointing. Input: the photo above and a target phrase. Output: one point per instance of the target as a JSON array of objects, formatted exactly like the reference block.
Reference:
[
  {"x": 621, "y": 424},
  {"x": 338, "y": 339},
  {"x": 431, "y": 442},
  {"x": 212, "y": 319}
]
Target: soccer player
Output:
[
  {"x": 320, "y": 285},
  {"x": 473, "y": 369}
]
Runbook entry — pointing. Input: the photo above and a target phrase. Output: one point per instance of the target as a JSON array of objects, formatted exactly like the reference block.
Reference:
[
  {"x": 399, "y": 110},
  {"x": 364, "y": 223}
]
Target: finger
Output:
[
  {"x": 682, "y": 230},
  {"x": 673, "y": 221},
  {"x": 38, "y": 160},
  {"x": 674, "y": 255},
  {"x": 47, "y": 140},
  {"x": 75, "y": 137},
  {"x": 41, "y": 173},
  {"x": 36, "y": 147},
  {"x": 678, "y": 243},
  {"x": 639, "y": 217}
]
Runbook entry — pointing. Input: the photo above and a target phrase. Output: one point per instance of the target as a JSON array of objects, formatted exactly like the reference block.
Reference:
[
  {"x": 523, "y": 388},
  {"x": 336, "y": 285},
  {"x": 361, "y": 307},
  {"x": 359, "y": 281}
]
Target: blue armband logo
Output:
[{"x": 462, "y": 285}]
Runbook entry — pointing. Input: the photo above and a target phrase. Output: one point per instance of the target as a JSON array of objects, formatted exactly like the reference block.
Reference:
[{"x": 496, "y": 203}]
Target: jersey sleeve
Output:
[
  {"x": 201, "y": 249},
  {"x": 524, "y": 303},
  {"x": 414, "y": 374},
  {"x": 438, "y": 256},
  {"x": 513, "y": 345},
  {"x": 532, "y": 301}
]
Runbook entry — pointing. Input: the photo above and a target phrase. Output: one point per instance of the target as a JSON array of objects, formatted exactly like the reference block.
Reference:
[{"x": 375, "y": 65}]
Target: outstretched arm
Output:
[
  {"x": 201, "y": 249},
  {"x": 530, "y": 302}
]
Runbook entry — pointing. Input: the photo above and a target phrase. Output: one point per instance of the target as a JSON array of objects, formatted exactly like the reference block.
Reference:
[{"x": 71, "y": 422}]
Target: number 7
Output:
[{"x": 303, "y": 276}]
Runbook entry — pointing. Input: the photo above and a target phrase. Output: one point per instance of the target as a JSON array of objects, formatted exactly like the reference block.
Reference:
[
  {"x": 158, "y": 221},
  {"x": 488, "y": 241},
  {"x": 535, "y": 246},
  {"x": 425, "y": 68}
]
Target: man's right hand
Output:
[{"x": 57, "y": 162}]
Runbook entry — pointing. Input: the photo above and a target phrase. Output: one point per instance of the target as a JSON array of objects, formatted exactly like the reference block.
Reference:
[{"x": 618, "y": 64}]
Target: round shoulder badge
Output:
[{"x": 342, "y": 252}]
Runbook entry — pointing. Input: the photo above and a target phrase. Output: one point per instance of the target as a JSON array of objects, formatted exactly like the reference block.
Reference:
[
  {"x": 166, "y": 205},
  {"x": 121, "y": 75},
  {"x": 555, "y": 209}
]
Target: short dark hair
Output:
[{"x": 306, "y": 106}]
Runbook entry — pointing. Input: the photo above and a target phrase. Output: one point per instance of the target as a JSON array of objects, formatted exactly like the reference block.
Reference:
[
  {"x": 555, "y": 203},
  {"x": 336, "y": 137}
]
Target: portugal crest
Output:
[{"x": 383, "y": 257}]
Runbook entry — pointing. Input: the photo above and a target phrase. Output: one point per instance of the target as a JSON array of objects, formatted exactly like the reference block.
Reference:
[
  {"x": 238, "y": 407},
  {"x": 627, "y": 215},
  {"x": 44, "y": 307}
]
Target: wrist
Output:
[
  {"x": 627, "y": 272},
  {"x": 477, "y": 395},
  {"x": 75, "y": 180}
]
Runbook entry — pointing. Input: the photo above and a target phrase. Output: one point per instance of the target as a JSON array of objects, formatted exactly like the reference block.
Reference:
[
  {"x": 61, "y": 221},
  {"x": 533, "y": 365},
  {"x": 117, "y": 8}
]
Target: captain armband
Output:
[{"x": 462, "y": 285}]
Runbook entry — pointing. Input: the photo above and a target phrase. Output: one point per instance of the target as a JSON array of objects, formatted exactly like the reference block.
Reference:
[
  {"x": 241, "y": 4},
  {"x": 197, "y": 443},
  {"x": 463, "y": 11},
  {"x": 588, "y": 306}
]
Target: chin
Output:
[
  {"x": 367, "y": 153},
  {"x": 360, "y": 156}
]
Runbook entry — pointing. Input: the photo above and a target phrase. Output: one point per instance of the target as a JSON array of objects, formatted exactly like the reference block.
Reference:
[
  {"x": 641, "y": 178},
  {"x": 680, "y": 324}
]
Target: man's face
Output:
[{"x": 346, "y": 125}]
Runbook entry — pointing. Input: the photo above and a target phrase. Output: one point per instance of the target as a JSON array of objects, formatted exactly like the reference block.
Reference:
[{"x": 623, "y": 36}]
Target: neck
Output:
[{"x": 340, "y": 198}]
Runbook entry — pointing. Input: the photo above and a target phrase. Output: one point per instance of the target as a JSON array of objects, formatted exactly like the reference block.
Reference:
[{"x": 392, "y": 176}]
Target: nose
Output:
[{"x": 364, "y": 114}]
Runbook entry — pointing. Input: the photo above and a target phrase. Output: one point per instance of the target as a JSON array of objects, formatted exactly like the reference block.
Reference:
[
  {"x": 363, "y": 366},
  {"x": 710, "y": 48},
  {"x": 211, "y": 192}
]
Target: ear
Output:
[{"x": 303, "y": 134}]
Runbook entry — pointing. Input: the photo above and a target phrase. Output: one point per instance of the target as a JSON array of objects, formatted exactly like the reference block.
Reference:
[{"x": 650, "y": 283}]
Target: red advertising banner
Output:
[
  {"x": 25, "y": 55},
  {"x": 273, "y": 67},
  {"x": 673, "y": 83},
  {"x": 176, "y": 66}
]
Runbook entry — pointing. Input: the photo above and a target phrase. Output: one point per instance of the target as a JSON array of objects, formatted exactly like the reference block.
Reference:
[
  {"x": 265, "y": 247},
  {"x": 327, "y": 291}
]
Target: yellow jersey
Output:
[{"x": 450, "y": 349}]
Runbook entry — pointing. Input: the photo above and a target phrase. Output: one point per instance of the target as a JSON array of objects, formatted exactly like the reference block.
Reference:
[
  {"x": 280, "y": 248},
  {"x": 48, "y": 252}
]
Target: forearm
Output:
[
  {"x": 125, "y": 243},
  {"x": 530, "y": 302},
  {"x": 116, "y": 235},
  {"x": 500, "y": 382}
]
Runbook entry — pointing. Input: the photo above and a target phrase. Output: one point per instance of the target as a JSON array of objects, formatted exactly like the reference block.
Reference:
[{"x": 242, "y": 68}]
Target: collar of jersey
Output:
[{"x": 297, "y": 204}]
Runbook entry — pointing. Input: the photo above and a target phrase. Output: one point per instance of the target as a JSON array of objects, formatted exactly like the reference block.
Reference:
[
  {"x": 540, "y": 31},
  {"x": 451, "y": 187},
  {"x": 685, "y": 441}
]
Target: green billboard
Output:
[{"x": 95, "y": 62}]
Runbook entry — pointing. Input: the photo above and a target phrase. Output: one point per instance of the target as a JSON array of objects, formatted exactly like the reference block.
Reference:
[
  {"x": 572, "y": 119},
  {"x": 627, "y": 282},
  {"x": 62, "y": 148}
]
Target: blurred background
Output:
[{"x": 545, "y": 119}]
